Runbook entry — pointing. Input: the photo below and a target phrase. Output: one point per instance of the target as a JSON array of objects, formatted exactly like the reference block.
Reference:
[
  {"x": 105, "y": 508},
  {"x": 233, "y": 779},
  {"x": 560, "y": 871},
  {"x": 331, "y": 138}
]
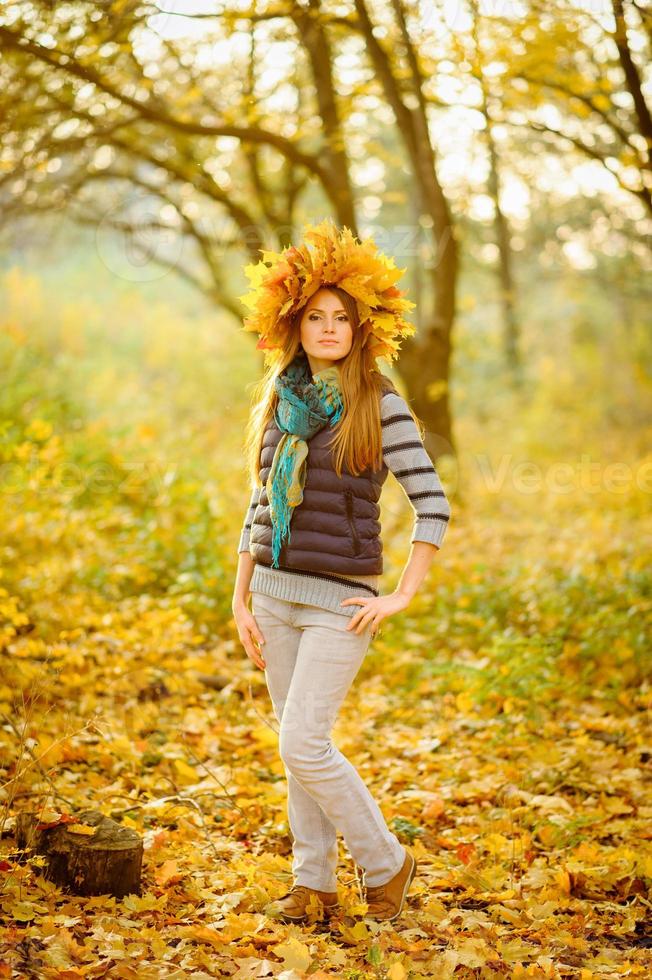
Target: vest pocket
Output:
[{"x": 348, "y": 494}]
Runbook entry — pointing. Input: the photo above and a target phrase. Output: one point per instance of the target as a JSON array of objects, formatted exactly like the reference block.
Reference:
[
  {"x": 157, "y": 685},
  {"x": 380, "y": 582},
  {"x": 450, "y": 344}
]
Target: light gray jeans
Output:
[{"x": 311, "y": 660}]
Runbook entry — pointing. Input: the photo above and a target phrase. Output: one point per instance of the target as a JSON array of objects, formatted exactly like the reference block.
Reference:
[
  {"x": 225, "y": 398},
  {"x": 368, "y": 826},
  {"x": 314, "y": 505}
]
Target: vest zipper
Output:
[{"x": 349, "y": 513}]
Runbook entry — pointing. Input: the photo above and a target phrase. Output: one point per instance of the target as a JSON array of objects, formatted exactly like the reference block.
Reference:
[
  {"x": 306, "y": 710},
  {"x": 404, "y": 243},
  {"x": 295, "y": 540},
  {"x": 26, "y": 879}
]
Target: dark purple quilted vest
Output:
[{"x": 336, "y": 527}]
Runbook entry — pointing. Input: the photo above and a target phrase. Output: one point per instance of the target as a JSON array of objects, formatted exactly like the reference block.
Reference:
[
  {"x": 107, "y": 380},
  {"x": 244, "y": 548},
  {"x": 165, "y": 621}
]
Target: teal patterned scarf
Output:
[{"x": 306, "y": 404}]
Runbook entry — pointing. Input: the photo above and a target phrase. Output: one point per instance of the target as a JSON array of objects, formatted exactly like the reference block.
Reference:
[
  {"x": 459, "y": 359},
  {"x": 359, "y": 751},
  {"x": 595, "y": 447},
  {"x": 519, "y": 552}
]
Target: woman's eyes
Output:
[{"x": 340, "y": 316}]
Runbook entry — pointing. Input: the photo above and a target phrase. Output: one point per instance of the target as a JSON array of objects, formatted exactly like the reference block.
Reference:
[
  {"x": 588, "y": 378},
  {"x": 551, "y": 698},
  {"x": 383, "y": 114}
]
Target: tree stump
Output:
[{"x": 108, "y": 862}]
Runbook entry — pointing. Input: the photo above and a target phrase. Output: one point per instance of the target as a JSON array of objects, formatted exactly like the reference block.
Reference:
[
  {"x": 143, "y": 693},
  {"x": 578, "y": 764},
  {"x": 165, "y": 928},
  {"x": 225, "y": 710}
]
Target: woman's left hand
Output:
[{"x": 374, "y": 610}]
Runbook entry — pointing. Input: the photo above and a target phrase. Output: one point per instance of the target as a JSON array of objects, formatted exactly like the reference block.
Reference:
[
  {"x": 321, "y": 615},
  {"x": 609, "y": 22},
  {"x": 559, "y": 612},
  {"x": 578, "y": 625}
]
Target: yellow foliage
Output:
[
  {"x": 84, "y": 829},
  {"x": 184, "y": 772},
  {"x": 294, "y": 954}
]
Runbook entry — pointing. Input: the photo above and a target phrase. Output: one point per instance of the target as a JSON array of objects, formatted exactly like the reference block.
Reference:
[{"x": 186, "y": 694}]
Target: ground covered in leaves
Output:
[{"x": 525, "y": 803}]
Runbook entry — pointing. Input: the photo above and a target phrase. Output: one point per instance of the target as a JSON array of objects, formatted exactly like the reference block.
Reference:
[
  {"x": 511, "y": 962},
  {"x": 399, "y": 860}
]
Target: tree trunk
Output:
[
  {"x": 424, "y": 359},
  {"x": 507, "y": 288},
  {"x": 107, "y": 862}
]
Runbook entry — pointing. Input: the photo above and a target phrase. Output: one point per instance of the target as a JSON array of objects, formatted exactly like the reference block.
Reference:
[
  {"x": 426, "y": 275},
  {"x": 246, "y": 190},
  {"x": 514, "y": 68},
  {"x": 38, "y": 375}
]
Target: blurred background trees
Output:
[{"x": 500, "y": 136}]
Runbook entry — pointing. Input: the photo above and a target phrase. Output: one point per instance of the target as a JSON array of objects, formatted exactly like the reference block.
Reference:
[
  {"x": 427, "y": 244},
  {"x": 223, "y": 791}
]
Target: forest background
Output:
[{"x": 502, "y": 154}]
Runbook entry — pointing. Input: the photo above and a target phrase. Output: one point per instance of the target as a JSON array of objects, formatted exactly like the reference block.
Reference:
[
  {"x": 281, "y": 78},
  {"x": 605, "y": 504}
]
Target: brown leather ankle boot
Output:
[
  {"x": 386, "y": 901},
  {"x": 293, "y": 906}
]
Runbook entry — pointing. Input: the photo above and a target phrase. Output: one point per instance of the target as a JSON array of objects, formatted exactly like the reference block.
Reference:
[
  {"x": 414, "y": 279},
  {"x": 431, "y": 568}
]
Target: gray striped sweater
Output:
[{"x": 405, "y": 456}]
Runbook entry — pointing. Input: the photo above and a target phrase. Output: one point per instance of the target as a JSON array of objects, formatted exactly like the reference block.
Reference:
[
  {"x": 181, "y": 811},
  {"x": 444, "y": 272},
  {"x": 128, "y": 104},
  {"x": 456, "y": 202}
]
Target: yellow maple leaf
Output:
[
  {"x": 204, "y": 934},
  {"x": 185, "y": 772},
  {"x": 396, "y": 972},
  {"x": 295, "y": 954},
  {"x": 464, "y": 701},
  {"x": 265, "y": 735},
  {"x": 144, "y": 903},
  {"x": 167, "y": 871},
  {"x": 49, "y": 816},
  {"x": 81, "y": 828}
]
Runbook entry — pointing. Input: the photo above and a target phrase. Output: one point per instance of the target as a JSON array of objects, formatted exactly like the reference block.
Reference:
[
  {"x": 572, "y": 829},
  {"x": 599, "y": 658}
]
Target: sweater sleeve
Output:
[
  {"x": 243, "y": 544},
  {"x": 405, "y": 455}
]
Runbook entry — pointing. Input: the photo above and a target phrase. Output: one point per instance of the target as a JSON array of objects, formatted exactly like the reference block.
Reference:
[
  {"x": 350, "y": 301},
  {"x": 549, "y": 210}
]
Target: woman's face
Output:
[{"x": 326, "y": 331}]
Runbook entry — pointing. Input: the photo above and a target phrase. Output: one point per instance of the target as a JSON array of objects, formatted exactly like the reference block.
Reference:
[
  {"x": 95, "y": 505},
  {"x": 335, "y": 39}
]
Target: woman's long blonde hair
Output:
[{"x": 357, "y": 442}]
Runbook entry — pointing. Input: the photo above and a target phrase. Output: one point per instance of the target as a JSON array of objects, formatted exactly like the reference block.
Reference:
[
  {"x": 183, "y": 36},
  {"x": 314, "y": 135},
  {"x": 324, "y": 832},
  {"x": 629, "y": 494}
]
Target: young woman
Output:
[{"x": 326, "y": 427}]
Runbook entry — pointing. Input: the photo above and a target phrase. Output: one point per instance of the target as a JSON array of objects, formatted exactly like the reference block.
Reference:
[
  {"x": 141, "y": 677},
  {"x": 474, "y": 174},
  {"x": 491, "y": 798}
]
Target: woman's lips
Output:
[{"x": 329, "y": 343}]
